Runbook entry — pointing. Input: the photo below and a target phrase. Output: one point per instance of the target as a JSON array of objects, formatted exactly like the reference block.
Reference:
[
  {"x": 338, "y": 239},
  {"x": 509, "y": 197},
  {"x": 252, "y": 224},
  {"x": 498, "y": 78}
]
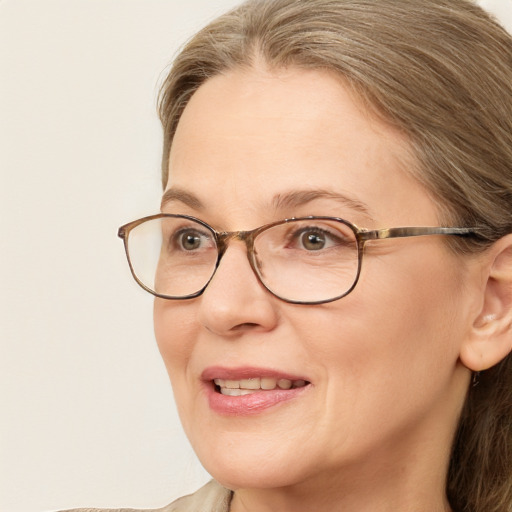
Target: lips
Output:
[{"x": 246, "y": 391}]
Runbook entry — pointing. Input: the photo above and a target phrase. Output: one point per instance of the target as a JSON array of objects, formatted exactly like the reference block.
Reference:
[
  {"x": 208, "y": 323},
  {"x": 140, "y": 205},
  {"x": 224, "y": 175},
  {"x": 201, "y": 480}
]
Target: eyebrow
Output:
[
  {"x": 281, "y": 201},
  {"x": 296, "y": 198},
  {"x": 178, "y": 194}
]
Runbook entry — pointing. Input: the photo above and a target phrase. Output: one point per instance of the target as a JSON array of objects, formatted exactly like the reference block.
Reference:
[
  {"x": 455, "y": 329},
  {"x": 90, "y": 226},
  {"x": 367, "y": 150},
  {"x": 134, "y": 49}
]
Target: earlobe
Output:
[{"x": 490, "y": 337}]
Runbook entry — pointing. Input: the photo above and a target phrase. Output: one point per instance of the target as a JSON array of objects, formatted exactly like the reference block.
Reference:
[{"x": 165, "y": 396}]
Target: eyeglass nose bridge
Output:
[
  {"x": 247, "y": 237},
  {"x": 223, "y": 238}
]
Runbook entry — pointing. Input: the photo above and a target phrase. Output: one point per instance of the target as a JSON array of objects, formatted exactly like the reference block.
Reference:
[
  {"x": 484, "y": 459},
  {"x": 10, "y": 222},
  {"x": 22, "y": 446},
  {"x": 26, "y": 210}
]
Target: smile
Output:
[
  {"x": 245, "y": 391},
  {"x": 253, "y": 385}
]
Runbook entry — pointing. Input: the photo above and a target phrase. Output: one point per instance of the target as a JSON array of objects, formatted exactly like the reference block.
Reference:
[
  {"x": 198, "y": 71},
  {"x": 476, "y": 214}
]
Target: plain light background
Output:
[{"x": 86, "y": 412}]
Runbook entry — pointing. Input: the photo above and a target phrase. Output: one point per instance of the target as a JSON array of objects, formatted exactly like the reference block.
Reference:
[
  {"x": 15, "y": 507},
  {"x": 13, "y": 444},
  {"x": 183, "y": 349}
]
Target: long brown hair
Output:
[{"x": 441, "y": 72}]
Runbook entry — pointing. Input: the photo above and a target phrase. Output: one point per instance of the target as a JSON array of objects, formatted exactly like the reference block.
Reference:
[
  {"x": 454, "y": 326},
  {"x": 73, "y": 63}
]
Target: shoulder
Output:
[{"x": 210, "y": 498}]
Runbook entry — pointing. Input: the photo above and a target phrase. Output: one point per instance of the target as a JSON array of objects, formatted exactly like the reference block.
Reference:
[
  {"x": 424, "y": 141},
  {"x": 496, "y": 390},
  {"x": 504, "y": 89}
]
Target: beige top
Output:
[{"x": 210, "y": 498}]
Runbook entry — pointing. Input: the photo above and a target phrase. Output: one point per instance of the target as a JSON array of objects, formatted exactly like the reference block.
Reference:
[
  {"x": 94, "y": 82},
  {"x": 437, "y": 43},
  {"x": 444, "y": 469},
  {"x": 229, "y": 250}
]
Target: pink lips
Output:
[{"x": 257, "y": 400}]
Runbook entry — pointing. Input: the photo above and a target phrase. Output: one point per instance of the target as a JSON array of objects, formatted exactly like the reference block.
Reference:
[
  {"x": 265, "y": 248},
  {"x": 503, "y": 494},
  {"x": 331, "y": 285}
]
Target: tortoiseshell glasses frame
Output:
[{"x": 303, "y": 260}]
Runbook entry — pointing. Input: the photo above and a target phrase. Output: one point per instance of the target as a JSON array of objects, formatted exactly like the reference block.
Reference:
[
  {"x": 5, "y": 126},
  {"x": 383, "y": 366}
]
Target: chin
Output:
[
  {"x": 255, "y": 463},
  {"x": 251, "y": 477}
]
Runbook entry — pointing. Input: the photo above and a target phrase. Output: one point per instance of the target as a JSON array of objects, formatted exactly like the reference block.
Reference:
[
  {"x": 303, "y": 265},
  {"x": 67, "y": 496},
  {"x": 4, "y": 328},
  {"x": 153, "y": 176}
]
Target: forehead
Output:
[
  {"x": 261, "y": 110},
  {"x": 248, "y": 135}
]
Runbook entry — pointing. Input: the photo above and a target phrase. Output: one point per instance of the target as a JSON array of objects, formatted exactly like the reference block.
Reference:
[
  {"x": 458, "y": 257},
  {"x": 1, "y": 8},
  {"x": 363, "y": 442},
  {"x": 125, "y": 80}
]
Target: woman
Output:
[{"x": 320, "y": 360}]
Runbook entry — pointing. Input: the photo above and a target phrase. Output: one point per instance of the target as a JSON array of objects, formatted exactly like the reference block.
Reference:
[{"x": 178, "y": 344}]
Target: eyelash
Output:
[
  {"x": 175, "y": 240},
  {"x": 329, "y": 235}
]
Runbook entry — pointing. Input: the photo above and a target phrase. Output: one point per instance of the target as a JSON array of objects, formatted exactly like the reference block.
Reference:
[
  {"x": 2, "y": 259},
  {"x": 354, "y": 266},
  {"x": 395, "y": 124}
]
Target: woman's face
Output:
[{"x": 383, "y": 381}]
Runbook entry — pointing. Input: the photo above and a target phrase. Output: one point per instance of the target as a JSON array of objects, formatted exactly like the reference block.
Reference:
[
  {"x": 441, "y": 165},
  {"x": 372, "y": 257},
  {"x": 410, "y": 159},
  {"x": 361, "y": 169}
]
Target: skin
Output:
[{"x": 373, "y": 430}]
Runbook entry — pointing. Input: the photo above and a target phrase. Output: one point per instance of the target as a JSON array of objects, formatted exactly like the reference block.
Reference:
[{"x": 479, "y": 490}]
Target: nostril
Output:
[{"x": 247, "y": 325}]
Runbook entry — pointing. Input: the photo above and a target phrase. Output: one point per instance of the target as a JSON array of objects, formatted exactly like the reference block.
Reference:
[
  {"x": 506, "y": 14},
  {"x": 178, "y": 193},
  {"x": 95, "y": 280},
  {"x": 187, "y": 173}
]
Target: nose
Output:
[{"x": 235, "y": 301}]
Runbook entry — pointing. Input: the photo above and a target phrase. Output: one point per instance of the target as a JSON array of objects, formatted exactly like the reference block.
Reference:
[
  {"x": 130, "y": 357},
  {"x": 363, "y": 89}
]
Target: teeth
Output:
[
  {"x": 250, "y": 383},
  {"x": 268, "y": 383},
  {"x": 284, "y": 383},
  {"x": 247, "y": 386}
]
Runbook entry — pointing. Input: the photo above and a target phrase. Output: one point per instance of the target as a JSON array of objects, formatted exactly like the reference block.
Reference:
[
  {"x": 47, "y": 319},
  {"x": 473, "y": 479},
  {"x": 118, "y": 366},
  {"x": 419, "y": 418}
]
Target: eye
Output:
[
  {"x": 191, "y": 239},
  {"x": 317, "y": 238},
  {"x": 313, "y": 240}
]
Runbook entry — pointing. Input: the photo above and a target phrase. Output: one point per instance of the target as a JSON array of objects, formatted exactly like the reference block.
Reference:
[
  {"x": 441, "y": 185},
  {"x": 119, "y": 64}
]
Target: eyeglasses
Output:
[{"x": 307, "y": 260}]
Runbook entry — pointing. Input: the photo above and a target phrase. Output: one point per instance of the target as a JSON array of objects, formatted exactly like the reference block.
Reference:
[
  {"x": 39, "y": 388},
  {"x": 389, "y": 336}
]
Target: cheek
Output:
[
  {"x": 174, "y": 332},
  {"x": 414, "y": 329},
  {"x": 393, "y": 342},
  {"x": 415, "y": 313}
]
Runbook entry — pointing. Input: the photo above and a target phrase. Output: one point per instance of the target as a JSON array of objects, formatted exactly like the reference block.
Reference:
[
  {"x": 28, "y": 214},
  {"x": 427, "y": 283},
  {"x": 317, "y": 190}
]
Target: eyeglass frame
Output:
[{"x": 222, "y": 238}]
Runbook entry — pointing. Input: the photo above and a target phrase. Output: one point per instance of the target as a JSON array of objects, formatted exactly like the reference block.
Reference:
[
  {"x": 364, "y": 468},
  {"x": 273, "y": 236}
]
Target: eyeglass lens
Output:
[{"x": 302, "y": 260}]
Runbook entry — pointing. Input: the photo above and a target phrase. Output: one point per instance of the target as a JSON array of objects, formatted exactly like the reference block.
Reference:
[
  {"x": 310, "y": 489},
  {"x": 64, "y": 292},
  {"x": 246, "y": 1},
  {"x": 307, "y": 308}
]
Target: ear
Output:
[{"x": 490, "y": 337}]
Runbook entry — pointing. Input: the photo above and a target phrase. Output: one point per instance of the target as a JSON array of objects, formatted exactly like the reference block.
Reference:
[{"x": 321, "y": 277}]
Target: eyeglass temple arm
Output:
[{"x": 380, "y": 234}]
